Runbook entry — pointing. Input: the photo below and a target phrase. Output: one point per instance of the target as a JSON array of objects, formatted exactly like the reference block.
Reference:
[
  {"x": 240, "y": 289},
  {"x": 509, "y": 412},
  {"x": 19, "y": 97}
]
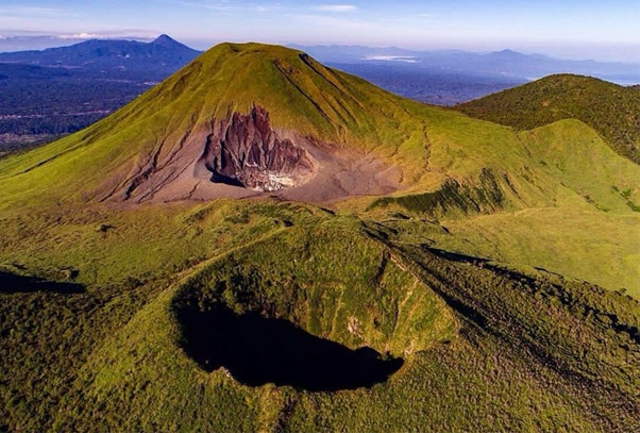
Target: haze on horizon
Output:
[{"x": 571, "y": 29}]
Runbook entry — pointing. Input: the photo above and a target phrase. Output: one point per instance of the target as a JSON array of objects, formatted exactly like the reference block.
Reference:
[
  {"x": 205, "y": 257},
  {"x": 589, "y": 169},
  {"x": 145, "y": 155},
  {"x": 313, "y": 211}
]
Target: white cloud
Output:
[
  {"x": 136, "y": 34},
  {"x": 336, "y": 8},
  {"x": 404, "y": 59},
  {"x": 81, "y": 36}
]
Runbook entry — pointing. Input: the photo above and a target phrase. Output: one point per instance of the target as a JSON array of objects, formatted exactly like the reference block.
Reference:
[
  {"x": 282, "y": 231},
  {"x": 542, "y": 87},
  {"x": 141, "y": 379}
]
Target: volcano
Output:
[
  {"x": 392, "y": 266},
  {"x": 242, "y": 120}
]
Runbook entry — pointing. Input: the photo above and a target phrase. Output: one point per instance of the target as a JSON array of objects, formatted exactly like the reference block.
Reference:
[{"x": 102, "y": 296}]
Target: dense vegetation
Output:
[
  {"x": 39, "y": 109},
  {"x": 486, "y": 347},
  {"x": 29, "y": 72},
  {"x": 610, "y": 109},
  {"x": 106, "y": 306}
]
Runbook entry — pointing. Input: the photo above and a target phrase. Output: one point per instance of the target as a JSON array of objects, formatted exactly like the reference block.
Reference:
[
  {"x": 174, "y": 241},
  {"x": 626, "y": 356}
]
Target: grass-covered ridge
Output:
[
  {"x": 556, "y": 197},
  {"x": 610, "y": 109},
  {"x": 439, "y": 153}
]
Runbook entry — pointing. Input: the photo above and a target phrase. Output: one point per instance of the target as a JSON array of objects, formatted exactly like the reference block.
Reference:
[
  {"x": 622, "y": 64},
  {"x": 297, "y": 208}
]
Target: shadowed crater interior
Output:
[{"x": 258, "y": 350}]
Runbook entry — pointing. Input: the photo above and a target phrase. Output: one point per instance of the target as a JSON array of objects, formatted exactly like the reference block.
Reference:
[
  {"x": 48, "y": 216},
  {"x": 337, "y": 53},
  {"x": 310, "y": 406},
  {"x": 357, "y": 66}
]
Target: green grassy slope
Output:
[
  {"x": 540, "y": 168},
  {"x": 453, "y": 166},
  {"x": 556, "y": 197},
  {"x": 433, "y": 147},
  {"x": 485, "y": 347},
  {"x": 610, "y": 109},
  {"x": 585, "y": 245}
]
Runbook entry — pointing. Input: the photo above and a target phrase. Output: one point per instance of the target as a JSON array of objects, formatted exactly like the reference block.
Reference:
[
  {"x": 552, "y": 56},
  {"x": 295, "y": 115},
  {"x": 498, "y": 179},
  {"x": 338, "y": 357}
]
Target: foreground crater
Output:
[
  {"x": 319, "y": 322},
  {"x": 257, "y": 350}
]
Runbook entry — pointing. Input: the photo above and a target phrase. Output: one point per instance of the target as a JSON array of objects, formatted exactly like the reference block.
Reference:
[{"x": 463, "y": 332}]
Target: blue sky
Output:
[{"x": 607, "y": 30}]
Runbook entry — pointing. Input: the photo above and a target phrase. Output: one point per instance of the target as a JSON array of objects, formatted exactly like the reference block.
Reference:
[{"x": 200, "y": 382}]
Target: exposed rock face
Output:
[
  {"x": 213, "y": 159},
  {"x": 245, "y": 151}
]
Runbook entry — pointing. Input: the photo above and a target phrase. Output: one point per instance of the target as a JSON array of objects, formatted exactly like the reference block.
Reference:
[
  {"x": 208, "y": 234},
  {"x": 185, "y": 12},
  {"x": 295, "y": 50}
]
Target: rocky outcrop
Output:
[{"x": 246, "y": 151}]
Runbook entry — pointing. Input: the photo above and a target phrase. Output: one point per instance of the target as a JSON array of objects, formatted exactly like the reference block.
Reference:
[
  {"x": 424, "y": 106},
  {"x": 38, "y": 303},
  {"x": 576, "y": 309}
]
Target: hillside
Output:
[
  {"x": 483, "y": 347},
  {"x": 610, "y": 109},
  {"x": 154, "y": 144},
  {"x": 263, "y": 243},
  {"x": 153, "y": 149},
  {"x": 188, "y": 137}
]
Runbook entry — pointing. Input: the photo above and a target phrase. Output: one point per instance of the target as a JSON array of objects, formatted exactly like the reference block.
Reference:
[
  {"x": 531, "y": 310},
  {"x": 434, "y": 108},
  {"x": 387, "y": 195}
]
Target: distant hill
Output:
[
  {"x": 610, "y": 109},
  {"x": 162, "y": 54}
]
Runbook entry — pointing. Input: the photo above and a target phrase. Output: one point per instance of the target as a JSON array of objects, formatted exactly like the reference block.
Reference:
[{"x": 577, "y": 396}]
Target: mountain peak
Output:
[
  {"x": 165, "y": 40},
  {"x": 245, "y": 119}
]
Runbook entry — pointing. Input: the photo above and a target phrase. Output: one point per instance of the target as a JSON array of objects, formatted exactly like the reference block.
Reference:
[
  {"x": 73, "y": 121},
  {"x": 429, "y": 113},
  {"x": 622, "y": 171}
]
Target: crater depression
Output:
[
  {"x": 257, "y": 350},
  {"x": 304, "y": 322}
]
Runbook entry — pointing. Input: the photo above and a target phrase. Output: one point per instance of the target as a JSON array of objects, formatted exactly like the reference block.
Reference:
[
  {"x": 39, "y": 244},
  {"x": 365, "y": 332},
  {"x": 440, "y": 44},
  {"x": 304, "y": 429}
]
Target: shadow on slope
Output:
[{"x": 10, "y": 283}]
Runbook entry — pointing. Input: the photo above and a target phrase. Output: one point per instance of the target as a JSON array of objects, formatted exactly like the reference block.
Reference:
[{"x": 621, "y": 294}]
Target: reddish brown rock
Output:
[{"x": 247, "y": 152}]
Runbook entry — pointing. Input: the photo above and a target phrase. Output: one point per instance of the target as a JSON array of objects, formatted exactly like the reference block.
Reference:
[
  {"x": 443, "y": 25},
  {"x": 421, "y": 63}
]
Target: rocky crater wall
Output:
[{"x": 247, "y": 152}]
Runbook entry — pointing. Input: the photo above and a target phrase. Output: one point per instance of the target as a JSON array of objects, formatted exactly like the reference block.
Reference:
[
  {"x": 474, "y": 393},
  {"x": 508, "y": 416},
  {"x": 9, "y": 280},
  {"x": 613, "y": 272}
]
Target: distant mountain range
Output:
[
  {"x": 506, "y": 63},
  {"x": 164, "y": 55},
  {"x": 56, "y": 91}
]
